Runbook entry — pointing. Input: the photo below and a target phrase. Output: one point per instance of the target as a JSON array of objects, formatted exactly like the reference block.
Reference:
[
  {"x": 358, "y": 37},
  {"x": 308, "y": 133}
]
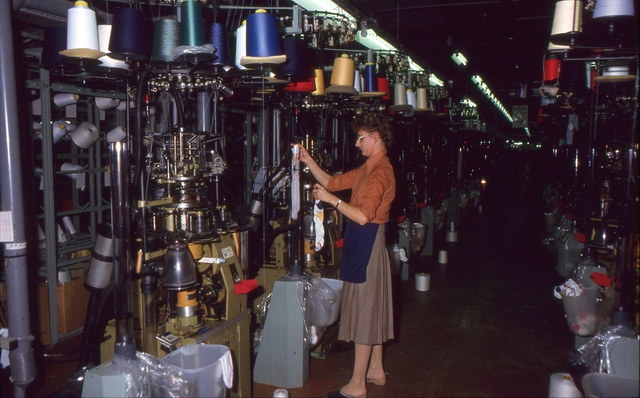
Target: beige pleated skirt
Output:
[{"x": 367, "y": 308}]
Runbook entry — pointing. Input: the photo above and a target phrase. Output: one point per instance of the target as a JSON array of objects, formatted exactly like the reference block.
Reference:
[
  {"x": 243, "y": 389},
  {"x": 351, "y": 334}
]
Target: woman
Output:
[{"x": 366, "y": 313}]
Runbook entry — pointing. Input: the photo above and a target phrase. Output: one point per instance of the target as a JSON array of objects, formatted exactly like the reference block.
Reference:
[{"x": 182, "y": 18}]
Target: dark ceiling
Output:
[{"x": 504, "y": 40}]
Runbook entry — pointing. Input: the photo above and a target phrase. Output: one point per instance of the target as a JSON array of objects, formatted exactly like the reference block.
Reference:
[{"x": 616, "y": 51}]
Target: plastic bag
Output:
[
  {"x": 147, "y": 376},
  {"x": 595, "y": 355},
  {"x": 320, "y": 305},
  {"x": 179, "y": 51}
]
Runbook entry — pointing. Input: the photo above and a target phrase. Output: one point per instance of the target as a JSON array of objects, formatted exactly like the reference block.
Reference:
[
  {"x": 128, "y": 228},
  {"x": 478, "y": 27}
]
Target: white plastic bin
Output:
[
  {"x": 209, "y": 365},
  {"x": 581, "y": 312},
  {"x": 596, "y": 385}
]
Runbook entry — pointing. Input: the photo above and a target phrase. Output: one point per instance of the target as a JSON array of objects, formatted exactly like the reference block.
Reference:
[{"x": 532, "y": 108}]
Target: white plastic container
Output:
[
  {"x": 597, "y": 385},
  {"x": 581, "y": 312},
  {"x": 209, "y": 365}
]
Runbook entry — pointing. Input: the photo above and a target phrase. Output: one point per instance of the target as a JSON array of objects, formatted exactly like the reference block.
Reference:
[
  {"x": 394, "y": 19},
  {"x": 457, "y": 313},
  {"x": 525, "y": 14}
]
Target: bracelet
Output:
[{"x": 338, "y": 203}]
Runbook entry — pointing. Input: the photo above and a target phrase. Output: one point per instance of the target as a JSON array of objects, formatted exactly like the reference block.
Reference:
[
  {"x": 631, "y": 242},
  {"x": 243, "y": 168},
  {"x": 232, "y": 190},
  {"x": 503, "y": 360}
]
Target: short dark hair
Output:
[{"x": 374, "y": 123}]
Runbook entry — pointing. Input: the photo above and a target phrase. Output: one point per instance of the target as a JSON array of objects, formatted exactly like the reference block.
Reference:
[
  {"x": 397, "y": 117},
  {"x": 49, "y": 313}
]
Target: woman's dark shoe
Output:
[{"x": 340, "y": 394}]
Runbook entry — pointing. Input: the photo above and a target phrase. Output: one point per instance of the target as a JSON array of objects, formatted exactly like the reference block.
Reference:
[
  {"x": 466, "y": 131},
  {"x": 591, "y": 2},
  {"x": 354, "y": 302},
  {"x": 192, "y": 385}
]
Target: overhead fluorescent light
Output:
[
  {"x": 374, "y": 42},
  {"x": 468, "y": 103},
  {"x": 459, "y": 59},
  {"x": 434, "y": 81},
  {"x": 323, "y": 5},
  {"x": 415, "y": 67},
  {"x": 485, "y": 89}
]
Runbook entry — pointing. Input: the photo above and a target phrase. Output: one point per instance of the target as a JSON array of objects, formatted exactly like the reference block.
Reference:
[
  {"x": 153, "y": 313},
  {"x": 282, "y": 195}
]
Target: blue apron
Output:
[{"x": 356, "y": 252}]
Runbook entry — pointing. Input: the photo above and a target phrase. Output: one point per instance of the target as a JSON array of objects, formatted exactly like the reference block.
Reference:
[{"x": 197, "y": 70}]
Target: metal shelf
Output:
[{"x": 88, "y": 206}]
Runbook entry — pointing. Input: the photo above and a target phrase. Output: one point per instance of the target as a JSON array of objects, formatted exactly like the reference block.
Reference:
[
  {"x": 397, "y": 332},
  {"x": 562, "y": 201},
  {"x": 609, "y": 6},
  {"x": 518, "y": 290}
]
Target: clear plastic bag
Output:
[
  {"x": 147, "y": 376},
  {"x": 179, "y": 51},
  {"x": 595, "y": 355},
  {"x": 320, "y": 305}
]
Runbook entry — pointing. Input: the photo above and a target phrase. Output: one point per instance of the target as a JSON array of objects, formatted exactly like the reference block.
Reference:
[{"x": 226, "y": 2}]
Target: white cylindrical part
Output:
[
  {"x": 613, "y": 8},
  {"x": 452, "y": 236},
  {"x": 62, "y": 236},
  {"x": 117, "y": 134},
  {"x": 59, "y": 130},
  {"x": 422, "y": 282},
  {"x": 101, "y": 264},
  {"x": 442, "y": 257},
  {"x": 421, "y": 100},
  {"x": 567, "y": 17},
  {"x": 204, "y": 112},
  {"x": 357, "y": 82},
  {"x": 241, "y": 45},
  {"x": 82, "y": 29},
  {"x": 106, "y": 103},
  {"x": 70, "y": 167},
  {"x": 64, "y": 99},
  {"x": 400, "y": 94},
  {"x": 122, "y": 106},
  {"x": 85, "y": 135},
  {"x": 411, "y": 98},
  {"x": 68, "y": 225},
  {"x": 63, "y": 277},
  {"x": 562, "y": 385},
  {"x": 616, "y": 69}
]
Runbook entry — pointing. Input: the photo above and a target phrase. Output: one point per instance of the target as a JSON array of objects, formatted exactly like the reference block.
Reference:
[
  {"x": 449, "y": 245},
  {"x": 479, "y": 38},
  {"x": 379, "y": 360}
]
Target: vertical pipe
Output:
[
  {"x": 148, "y": 289},
  {"x": 276, "y": 143},
  {"x": 204, "y": 111},
  {"x": 23, "y": 369},
  {"x": 125, "y": 344}
]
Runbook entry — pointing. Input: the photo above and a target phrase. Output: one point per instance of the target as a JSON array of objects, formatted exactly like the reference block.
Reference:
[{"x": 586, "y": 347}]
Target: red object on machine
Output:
[
  {"x": 601, "y": 279},
  {"x": 244, "y": 287}
]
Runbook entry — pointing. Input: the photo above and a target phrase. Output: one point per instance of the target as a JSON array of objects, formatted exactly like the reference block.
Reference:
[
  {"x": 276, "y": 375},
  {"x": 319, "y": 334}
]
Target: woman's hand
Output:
[
  {"x": 304, "y": 154},
  {"x": 320, "y": 193}
]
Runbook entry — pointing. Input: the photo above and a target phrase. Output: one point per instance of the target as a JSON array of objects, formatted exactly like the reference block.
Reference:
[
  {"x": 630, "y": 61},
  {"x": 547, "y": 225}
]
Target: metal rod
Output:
[
  {"x": 23, "y": 367},
  {"x": 125, "y": 344}
]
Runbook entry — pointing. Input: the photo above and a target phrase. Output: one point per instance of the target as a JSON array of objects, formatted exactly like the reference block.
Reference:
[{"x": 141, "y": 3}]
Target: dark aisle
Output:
[{"x": 488, "y": 327}]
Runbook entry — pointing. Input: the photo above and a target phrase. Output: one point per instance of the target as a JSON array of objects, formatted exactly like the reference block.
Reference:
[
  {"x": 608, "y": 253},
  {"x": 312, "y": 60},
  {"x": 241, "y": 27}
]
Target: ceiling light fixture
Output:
[
  {"x": 323, "y": 5},
  {"x": 373, "y": 41},
  {"x": 485, "y": 89},
  {"x": 459, "y": 59},
  {"x": 434, "y": 81}
]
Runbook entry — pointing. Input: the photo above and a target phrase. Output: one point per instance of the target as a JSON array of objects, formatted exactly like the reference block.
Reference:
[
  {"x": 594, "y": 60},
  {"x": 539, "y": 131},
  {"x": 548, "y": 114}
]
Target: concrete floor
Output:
[{"x": 488, "y": 327}]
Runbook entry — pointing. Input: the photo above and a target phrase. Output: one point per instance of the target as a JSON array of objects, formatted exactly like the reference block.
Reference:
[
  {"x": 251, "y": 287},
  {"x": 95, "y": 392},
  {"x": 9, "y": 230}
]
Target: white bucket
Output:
[
  {"x": 442, "y": 257},
  {"x": 422, "y": 282}
]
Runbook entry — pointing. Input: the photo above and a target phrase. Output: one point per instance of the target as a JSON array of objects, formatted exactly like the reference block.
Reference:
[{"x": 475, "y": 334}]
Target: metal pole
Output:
[
  {"x": 125, "y": 344},
  {"x": 12, "y": 232}
]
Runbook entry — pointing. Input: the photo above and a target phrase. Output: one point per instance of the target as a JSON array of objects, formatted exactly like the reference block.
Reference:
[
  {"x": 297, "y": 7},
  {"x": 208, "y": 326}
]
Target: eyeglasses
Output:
[{"x": 361, "y": 137}]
